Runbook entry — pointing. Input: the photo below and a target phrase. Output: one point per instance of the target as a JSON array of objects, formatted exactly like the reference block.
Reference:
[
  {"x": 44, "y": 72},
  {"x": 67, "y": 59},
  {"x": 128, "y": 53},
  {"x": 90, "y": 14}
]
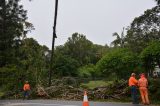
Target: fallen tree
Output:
[{"x": 117, "y": 90}]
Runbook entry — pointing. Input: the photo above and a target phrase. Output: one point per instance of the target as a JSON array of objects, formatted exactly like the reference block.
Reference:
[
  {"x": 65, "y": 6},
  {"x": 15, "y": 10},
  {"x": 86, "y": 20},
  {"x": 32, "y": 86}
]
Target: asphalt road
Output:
[{"x": 58, "y": 103}]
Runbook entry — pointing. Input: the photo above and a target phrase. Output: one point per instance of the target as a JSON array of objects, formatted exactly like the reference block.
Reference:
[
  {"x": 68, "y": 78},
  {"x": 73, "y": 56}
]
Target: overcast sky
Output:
[{"x": 97, "y": 19}]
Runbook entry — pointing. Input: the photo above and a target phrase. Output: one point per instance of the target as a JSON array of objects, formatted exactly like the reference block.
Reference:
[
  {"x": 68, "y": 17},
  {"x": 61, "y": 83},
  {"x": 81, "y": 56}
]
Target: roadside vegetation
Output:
[
  {"x": 79, "y": 64},
  {"x": 95, "y": 84}
]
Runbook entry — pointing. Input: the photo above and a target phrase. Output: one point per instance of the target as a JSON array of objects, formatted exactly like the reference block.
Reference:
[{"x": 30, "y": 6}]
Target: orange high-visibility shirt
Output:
[
  {"x": 142, "y": 82},
  {"x": 26, "y": 87},
  {"x": 132, "y": 81}
]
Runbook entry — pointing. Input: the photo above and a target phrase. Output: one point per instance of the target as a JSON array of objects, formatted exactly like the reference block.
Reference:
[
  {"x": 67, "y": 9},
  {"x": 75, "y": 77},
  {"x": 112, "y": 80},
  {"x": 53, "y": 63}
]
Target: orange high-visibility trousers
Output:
[{"x": 144, "y": 95}]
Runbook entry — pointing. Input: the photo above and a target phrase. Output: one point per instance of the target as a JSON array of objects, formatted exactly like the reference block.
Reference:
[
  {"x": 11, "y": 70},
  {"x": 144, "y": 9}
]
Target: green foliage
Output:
[
  {"x": 9, "y": 79},
  {"x": 30, "y": 65},
  {"x": 144, "y": 29},
  {"x": 154, "y": 89},
  {"x": 1, "y": 94},
  {"x": 32, "y": 58},
  {"x": 77, "y": 52},
  {"x": 120, "y": 61},
  {"x": 158, "y": 2},
  {"x": 65, "y": 66},
  {"x": 13, "y": 27},
  {"x": 119, "y": 41},
  {"x": 83, "y": 50},
  {"x": 87, "y": 71},
  {"x": 94, "y": 84},
  {"x": 152, "y": 50},
  {"x": 151, "y": 55},
  {"x": 79, "y": 48},
  {"x": 97, "y": 52}
]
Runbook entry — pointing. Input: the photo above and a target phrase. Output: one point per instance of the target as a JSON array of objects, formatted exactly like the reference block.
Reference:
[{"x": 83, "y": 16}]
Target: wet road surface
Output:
[{"x": 58, "y": 103}]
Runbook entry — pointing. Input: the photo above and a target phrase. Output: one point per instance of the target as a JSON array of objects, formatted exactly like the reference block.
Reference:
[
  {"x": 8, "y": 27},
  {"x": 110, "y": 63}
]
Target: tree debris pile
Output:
[{"x": 116, "y": 90}]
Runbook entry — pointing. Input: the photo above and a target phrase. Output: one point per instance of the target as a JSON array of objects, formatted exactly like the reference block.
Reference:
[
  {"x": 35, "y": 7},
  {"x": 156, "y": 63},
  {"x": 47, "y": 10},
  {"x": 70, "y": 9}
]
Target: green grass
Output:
[
  {"x": 94, "y": 84},
  {"x": 1, "y": 94}
]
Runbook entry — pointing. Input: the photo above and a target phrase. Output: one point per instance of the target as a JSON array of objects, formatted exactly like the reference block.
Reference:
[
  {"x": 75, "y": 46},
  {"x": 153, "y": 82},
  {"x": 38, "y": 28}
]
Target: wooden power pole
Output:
[{"x": 53, "y": 41}]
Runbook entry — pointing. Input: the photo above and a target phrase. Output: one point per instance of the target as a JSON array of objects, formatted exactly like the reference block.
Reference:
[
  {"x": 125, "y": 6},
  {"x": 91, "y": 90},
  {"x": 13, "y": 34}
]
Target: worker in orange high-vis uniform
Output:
[
  {"x": 143, "y": 84},
  {"x": 133, "y": 86},
  {"x": 26, "y": 89}
]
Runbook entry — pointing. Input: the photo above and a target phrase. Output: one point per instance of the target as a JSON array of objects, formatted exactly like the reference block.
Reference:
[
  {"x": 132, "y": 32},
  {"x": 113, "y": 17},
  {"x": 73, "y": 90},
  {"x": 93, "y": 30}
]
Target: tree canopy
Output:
[
  {"x": 119, "y": 61},
  {"x": 144, "y": 29},
  {"x": 13, "y": 27},
  {"x": 151, "y": 56}
]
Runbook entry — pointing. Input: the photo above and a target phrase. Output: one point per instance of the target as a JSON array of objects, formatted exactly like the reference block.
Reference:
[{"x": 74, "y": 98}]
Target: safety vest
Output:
[
  {"x": 132, "y": 81},
  {"x": 26, "y": 87},
  {"x": 142, "y": 82}
]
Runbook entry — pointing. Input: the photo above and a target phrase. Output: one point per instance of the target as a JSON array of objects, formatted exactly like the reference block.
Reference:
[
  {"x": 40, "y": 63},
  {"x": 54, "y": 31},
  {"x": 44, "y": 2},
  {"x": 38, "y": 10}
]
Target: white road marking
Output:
[{"x": 43, "y": 104}]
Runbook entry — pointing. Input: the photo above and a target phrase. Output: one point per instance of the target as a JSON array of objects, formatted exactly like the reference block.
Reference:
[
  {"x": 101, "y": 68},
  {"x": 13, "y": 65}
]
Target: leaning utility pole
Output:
[{"x": 53, "y": 40}]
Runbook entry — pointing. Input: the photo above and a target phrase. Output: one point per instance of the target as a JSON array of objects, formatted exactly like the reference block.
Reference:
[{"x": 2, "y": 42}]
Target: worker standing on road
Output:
[
  {"x": 26, "y": 89},
  {"x": 133, "y": 85},
  {"x": 143, "y": 84}
]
